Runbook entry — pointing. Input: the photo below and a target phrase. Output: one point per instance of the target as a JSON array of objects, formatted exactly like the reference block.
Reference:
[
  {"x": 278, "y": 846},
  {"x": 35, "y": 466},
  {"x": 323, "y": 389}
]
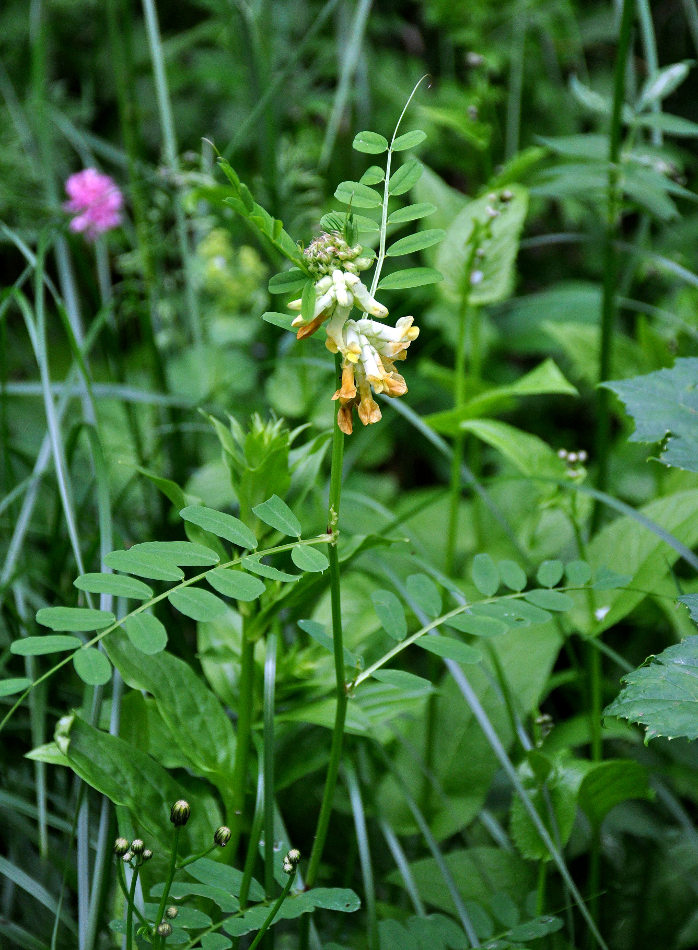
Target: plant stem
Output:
[
  {"x": 335, "y": 594},
  {"x": 244, "y": 734},
  {"x": 170, "y": 878},
  {"x": 459, "y": 440},
  {"x": 274, "y": 911},
  {"x": 129, "y": 909},
  {"x": 610, "y": 254}
]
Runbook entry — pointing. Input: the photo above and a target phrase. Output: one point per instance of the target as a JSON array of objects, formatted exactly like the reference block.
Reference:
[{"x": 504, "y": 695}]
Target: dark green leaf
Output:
[
  {"x": 408, "y": 140},
  {"x": 182, "y": 553},
  {"x": 75, "y": 619},
  {"x": 371, "y": 142},
  {"x": 485, "y": 574},
  {"x": 405, "y": 177},
  {"x": 197, "y": 603},
  {"x": 116, "y": 584},
  {"x": 223, "y": 877},
  {"x": 39, "y": 646},
  {"x": 144, "y": 565},
  {"x": 309, "y": 559},
  {"x": 308, "y": 301},
  {"x": 411, "y": 212},
  {"x": 549, "y": 573},
  {"x": 357, "y": 195},
  {"x": 288, "y": 281},
  {"x": 146, "y": 633},
  {"x": 410, "y": 277},
  {"x": 92, "y": 666},
  {"x": 607, "y": 784},
  {"x": 276, "y": 513},
  {"x": 220, "y": 524},
  {"x": 237, "y": 584},
  {"x": 534, "y": 929},
  {"x": 449, "y": 648},
  {"x": 415, "y": 242},
  {"x": 391, "y": 613}
]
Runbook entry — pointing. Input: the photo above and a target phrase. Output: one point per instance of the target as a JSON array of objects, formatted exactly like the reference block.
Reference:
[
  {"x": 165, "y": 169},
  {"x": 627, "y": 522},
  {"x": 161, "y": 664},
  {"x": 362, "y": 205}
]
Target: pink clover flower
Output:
[{"x": 95, "y": 202}]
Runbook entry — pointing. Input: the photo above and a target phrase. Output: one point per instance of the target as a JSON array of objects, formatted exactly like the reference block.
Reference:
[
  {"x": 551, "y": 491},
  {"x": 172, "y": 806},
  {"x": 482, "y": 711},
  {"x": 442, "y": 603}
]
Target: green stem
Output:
[
  {"x": 269, "y": 683},
  {"x": 170, "y": 878},
  {"x": 274, "y": 911},
  {"x": 459, "y": 440},
  {"x": 244, "y": 734},
  {"x": 129, "y": 909},
  {"x": 610, "y": 254},
  {"x": 121, "y": 878},
  {"x": 335, "y": 594}
]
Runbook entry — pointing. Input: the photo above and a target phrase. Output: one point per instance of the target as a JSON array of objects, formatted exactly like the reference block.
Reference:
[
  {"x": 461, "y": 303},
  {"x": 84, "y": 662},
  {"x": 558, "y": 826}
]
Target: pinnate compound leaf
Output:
[
  {"x": 549, "y": 599},
  {"x": 309, "y": 559},
  {"x": 512, "y": 574},
  {"x": 478, "y": 625},
  {"x": 182, "y": 553},
  {"x": 664, "y": 405},
  {"x": 146, "y": 633},
  {"x": 221, "y": 524},
  {"x": 485, "y": 574},
  {"x": 549, "y": 573},
  {"x": 40, "y": 646},
  {"x": 415, "y": 242},
  {"x": 578, "y": 573},
  {"x": 413, "y": 212},
  {"x": 357, "y": 195},
  {"x": 410, "y": 277},
  {"x": 405, "y": 177},
  {"x": 450, "y": 649},
  {"x": 663, "y": 695},
  {"x": 409, "y": 140},
  {"x": 116, "y": 584},
  {"x": 15, "y": 685},
  {"x": 237, "y": 584},
  {"x": 391, "y": 613},
  {"x": 197, "y": 603},
  {"x": 276, "y": 513},
  {"x": 144, "y": 565},
  {"x": 75, "y": 619},
  {"x": 257, "y": 566},
  {"x": 92, "y": 666},
  {"x": 373, "y": 143}
]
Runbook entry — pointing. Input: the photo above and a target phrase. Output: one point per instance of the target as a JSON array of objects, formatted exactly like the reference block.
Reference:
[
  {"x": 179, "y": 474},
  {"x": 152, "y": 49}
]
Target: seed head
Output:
[{"x": 179, "y": 813}]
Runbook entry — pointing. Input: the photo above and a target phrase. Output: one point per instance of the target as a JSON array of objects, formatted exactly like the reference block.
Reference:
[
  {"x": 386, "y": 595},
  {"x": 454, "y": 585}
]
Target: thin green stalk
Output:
[
  {"x": 253, "y": 842},
  {"x": 611, "y": 258},
  {"x": 244, "y": 734},
  {"x": 459, "y": 440},
  {"x": 269, "y": 684},
  {"x": 338, "y": 641},
  {"x": 130, "y": 907},
  {"x": 357, "y": 807},
  {"x": 275, "y": 910},
  {"x": 170, "y": 877}
]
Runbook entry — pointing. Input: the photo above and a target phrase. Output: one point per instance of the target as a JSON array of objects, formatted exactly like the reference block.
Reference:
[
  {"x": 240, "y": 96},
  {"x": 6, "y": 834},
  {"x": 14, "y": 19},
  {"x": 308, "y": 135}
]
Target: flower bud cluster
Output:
[
  {"x": 330, "y": 251},
  {"x": 575, "y": 462},
  {"x": 291, "y": 861},
  {"x": 127, "y": 851}
]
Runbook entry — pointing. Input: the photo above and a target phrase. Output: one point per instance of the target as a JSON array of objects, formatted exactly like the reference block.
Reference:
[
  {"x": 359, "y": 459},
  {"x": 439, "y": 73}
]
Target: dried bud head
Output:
[{"x": 179, "y": 813}]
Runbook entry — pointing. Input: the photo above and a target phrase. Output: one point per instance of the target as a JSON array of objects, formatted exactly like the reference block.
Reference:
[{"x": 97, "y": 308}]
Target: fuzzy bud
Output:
[
  {"x": 221, "y": 836},
  {"x": 171, "y": 912},
  {"x": 137, "y": 846},
  {"x": 164, "y": 929},
  {"x": 179, "y": 813},
  {"x": 127, "y": 857},
  {"x": 121, "y": 846},
  {"x": 147, "y": 854}
]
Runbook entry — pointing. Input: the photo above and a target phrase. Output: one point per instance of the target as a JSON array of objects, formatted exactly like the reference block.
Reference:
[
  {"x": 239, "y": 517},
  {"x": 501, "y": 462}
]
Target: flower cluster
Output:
[
  {"x": 368, "y": 348},
  {"x": 96, "y": 202}
]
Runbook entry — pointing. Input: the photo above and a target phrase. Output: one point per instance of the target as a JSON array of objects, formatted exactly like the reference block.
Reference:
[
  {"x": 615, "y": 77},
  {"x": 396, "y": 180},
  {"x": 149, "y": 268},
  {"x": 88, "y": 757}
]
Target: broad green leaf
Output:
[
  {"x": 410, "y": 277},
  {"x": 276, "y": 513},
  {"x": 295, "y": 904},
  {"x": 266, "y": 570},
  {"x": 408, "y": 140},
  {"x": 197, "y": 603},
  {"x": 529, "y": 454},
  {"x": 214, "y": 941},
  {"x": 449, "y": 648},
  {"x": 607, "y": 784},
  {"x": 356, "y": 195},
  {"x": 146, "y": 633},
  {"x": 478, "y": 625},
  {"x": 370, "y": 142},
  {"x": 446, "y": 201},
  {"x": 92, "y": 666},
  {"x": 40, "y": 646},
  {"x": 272, "y": 229},
  {"x": 281, "y": 320},
  {"x": 15, "y": 685},
  {"x": 423, "y": 589},
  {"x": 411, "y": 212},
  {"x": 288, "y": 281},
  {"x": 403, "y": 680},
  {"x": 664, "y": 405},
  {"x": 237, "y": 584},
  {"x": 549, "y": 573},
  {"x": 406, "y": 176},
  {"x": 515, "y": 612},
  {"x": 192, "y": 713},
  {"x": 512, "y": 574},
  {"x": 116, "y": 584},
  {"x": 391, "y": 613},
  {"x": 372, "y": 176},
  {"x": 578, "y": 573},
  {"x": 76, "y": 619},
  {"x": 393, "y": 936},
  {"x": 549, "y": 599},
  {"x": 223, "y": 877},
  {"x": 663, "y": 83},
  {"x": 485, "y": 574},
  {"x": 663, "y": 695},
  {"x": 415, "y": 242},
  {"x": 691, "y": 601},
  {"x": 220, "y": 524},
  {"x": 130, "y": 777},
  {"x": 309, "y": 559},
  {"x": 181, "y": 553},
  {"x": 144, "y": 565},
  {"x": 469, "y": 230}
]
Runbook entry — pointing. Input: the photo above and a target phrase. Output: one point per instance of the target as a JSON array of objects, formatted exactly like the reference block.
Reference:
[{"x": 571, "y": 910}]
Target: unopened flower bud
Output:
[
  {"x": 121, "y": 846},
  {"x": 506, "y": 195},
  {"x": 171, "y": 912},
  {"x": 222, "y": 836},
  {"x": 137, "y": 846},
  {"x": 164, "y": 929},
  {"x": 127, "y": 857},
  {"x": 147, "y": 854},
  {"x": 179, "y": 813}
]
